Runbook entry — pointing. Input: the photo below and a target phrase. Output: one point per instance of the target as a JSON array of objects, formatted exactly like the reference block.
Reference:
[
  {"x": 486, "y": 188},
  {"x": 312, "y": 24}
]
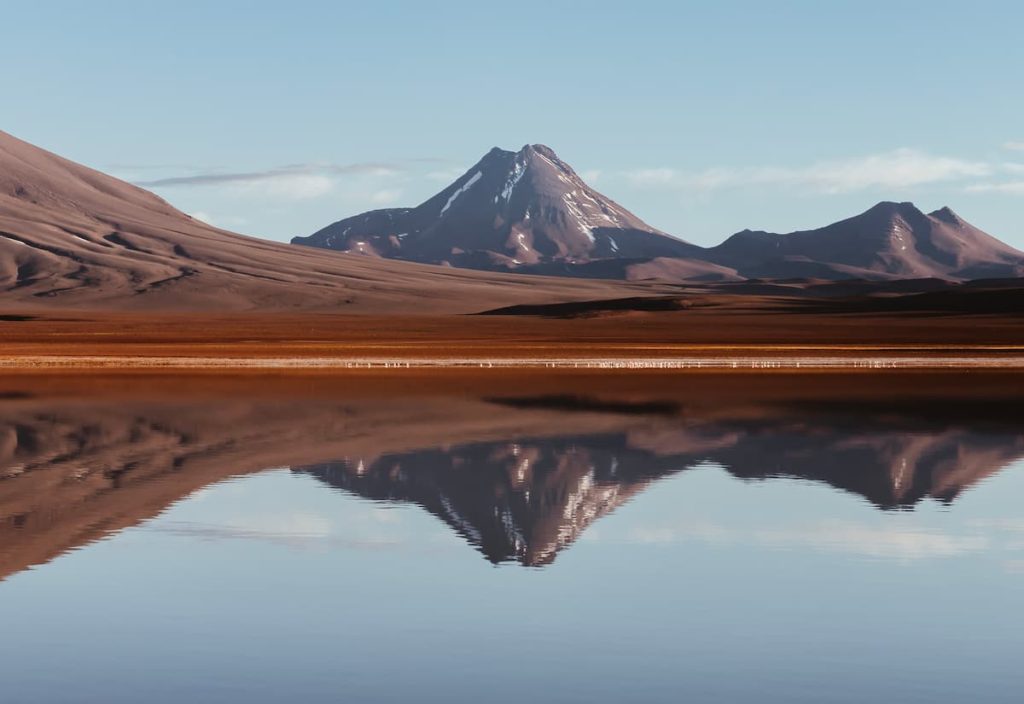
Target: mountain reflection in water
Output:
[{"x": 518, "y": 478}]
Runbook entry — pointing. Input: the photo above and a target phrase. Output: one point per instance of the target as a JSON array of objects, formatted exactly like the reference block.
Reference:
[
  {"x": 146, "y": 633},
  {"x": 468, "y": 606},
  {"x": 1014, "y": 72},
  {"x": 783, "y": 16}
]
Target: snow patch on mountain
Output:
[{"x": 465, "y": 187}]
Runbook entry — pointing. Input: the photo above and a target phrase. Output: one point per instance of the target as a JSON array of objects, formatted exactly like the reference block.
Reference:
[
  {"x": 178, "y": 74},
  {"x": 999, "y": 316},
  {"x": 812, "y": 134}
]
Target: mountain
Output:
[
  {"x": 526, "y": 211},
  {"x": 72, "y": 237},
  {"x": 888, "y": 241}
]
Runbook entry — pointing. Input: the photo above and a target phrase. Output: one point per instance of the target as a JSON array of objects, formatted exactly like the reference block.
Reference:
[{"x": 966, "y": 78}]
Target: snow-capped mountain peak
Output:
[{"x": 510, "y": 210}]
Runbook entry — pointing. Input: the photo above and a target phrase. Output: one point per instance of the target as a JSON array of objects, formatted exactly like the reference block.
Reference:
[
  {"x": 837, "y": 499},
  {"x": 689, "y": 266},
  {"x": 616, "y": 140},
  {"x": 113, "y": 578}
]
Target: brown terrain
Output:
[
  {"x": 72, "y": 237},
  {"x": 722, "y": 329}
]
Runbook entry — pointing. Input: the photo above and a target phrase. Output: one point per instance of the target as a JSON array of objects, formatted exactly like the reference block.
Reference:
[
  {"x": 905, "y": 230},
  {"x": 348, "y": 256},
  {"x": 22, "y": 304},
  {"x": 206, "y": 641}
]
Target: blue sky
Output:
[{"x": 703, "y": 118}]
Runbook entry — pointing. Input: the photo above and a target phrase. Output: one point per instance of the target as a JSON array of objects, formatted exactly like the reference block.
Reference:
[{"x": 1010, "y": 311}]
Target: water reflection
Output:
[
  {"x": 525, "y": 499},
  {"x": 520, "y": 499},
  {"x": 519, "y": 478}
]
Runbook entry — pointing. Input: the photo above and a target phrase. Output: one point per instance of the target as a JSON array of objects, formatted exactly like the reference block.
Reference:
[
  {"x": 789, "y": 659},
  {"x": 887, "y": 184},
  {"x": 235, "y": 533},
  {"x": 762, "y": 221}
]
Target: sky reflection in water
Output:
[{"x": 543, "y": 553}]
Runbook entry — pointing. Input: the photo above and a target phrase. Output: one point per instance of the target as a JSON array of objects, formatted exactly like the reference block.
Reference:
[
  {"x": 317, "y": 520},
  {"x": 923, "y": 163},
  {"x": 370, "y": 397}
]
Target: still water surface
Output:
[{"x": 539, "y": 550}]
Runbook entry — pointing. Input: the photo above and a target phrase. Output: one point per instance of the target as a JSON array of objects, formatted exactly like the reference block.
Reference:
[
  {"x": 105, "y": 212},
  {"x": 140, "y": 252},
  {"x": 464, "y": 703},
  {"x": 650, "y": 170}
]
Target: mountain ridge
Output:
[
  {"x": 73, "y": 237},
  {"x": 528, "y": 211},
  {"x": 889, "y": 240},
  {"x": 511, "y": 210}
]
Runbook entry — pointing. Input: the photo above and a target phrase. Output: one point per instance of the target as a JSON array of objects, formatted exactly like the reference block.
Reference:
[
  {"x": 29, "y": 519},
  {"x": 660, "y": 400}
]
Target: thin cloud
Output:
[
  {"x": 1014, "y": 146},
  {"x": 889, "y": 542},
  {"x": 446, "y": 175},
  {"x": 655, "y": 177},
  {"x": 292, "y": 536},
  {"x": 902, "y": 543},
  {"x": 122, "y": 166},
  {"x": 289, "y": 182},
  {"x": 385, "y": 196},
  {"x": 292, "y": 187},
  {"x": 277, "y": 173},
  {"x": 1011, "y": 187},
  {"x": 899, "y": 168},
  {"x": 217, "y": 220}
]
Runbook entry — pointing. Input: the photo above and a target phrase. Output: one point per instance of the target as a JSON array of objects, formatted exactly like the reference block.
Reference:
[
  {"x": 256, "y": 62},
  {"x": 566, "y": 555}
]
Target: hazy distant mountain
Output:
[
  {"x": 889, "y": 241},
  {"x": 74, "y": 237},
  {"x": 525, "y": 210}
]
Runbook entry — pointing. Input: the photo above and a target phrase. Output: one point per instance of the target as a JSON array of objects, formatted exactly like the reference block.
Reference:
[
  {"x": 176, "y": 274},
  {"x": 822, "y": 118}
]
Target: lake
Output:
[{"x": 550, "y": 547}]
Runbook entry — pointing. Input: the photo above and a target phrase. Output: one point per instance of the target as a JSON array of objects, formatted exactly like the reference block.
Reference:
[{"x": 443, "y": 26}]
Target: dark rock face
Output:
[{"x": 518, "y": 210}]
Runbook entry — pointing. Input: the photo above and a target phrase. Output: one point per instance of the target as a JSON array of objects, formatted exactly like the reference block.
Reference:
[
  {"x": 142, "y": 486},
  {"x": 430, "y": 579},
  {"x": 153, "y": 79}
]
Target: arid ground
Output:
[{"x": 730, "y": 329}]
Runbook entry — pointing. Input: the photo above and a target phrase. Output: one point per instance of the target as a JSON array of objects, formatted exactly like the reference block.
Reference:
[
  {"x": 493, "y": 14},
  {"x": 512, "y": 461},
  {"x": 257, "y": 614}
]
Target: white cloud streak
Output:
[
  {"x": 290, "y": 182},
  {"x": 656, "y": 177},
  {"x": 894, "y": 542},
  {"x": 218, "y": 220},
  {"x": 1007, "y": 187},
  {"x": 385, "y": 196},
  {"x": 446, "y": 176},
  {"x": 273, "y": 174},
  {"x": 292, "y": 187},
  {"x": 899, "y": 168}
]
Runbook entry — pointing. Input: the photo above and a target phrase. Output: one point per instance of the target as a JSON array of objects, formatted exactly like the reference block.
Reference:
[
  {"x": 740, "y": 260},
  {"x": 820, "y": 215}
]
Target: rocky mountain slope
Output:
[{"x": 526, "y": 211}]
